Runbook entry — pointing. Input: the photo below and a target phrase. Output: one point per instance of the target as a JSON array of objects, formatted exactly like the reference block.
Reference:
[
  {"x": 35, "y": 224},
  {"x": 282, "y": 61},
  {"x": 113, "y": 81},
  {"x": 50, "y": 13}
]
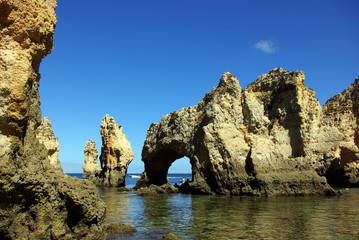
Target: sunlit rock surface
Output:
[
  {"x": 46, "y": 136},
  {"x": 343, "y": 111},
  {"x": 90, "y": 166},
  {"x": 116, "y": 153},
  {"x": 37, "y": 201},
  {"x": 258, "y": 141}
]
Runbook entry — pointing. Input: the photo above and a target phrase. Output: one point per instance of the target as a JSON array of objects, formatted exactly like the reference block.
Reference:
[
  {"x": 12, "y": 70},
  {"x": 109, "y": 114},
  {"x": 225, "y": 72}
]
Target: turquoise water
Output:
[{"x": 226, "y": 217}]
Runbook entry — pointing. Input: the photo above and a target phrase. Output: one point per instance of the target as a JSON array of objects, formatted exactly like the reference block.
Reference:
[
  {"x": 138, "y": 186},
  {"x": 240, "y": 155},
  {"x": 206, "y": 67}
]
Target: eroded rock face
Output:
[
  {"x": 343, "y": 111},
  {"x": 46, "y": 136},
  {"x": 116, "y": 153},
  {"x": 90, "y": 167},
  {"x": 37, "y": 201},
  {"x": 257, "y": 141}
]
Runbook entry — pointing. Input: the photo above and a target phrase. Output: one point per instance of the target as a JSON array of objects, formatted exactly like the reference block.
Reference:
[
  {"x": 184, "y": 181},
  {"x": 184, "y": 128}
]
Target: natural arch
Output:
[
  {"x": 227, "y": 137},
  {"x": 157, "y": 173}
]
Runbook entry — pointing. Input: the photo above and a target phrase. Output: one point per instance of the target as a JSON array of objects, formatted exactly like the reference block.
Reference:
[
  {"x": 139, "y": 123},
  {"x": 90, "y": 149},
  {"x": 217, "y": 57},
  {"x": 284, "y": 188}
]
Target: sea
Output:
[{"x": 232, "y": 217}]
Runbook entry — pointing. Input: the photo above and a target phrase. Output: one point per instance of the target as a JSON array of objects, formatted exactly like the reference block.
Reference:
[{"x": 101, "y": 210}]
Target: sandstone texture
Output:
[
  {"x": 116, "y": 153},
  {"x": 45, "y": 135},
  {"x": 268, "y": 139},
  {"x": 37, "y": 201},
  {"x": 90, "y": 167},
  {"x": 343, "y": 111}
]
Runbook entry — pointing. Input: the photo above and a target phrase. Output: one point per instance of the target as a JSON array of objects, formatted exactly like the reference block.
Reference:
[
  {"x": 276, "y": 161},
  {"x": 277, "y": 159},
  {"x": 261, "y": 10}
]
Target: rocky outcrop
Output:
[
  {"x": 169, "y": 236},
  {"x": 343, "y": 111},
  {"x": 46, "y": 136},
  {"x": 113, "y": 229},
  {"x": 37, "y": 201},
  {"x": 116, "y": 153},
  {"x": 257, "y": 141},
  {"x": 90, "y": 167}
]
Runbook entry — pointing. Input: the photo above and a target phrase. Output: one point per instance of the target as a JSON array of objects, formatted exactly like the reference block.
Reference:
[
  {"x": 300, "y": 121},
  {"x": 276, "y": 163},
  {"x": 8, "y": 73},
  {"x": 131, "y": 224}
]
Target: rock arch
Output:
[{"x": 241, "y": 142}]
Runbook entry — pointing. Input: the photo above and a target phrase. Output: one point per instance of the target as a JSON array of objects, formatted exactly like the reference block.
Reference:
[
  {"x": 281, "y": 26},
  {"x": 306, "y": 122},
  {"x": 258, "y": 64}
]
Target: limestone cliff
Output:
[
  {"x": 257, "y": 141},
  {"x": 116, "y": 153},
  {"x": 46, "y": 136},
  {"x": 90, "y": 167},
  {"x": 37, "y": 201},
  {"x": 343, "y": 111}
]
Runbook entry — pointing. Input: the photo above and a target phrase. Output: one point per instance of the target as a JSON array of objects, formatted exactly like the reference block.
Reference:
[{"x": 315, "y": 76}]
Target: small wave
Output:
[{"x": 134, "y": 176}]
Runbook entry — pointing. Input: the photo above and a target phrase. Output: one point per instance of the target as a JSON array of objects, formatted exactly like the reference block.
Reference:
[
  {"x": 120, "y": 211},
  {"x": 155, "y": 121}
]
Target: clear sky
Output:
[{"x": 138, "y": 60}]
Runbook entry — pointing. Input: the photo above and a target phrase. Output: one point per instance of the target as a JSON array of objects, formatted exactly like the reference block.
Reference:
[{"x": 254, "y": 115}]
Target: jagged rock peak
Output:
[
  {"x": 116, "y": 153},
  {"x": 228, "y": 80},
  {"x": 46, "y": 136},
  {"x": 256, "y": 141},
  {"x": 91, "y": 164}
]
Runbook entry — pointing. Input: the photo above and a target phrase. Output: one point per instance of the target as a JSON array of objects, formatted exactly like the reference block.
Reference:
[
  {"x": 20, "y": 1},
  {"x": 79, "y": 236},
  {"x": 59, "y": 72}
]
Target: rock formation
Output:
[
  {"x": 45, "y": 135},
  {"x": 37, "y": 201},
  {"x": 90, "y": 167},
  {"x": 265, "y": 140},
  {"x": 343, "y": 111},
  {"x": 116, "y": 153}
]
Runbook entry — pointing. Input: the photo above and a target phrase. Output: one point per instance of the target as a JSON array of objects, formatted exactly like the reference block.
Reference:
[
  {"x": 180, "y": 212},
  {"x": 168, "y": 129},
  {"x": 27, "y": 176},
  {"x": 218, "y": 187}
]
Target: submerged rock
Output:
[
  {"x": 46, "y": 136},
  {"x": 343, "y": 111},
  {"x": 90, "y": 166},
  {"x": 37, "y": 201},
  {"x": 116, "y": 153},
  {"x": 169, "y": 236},
  {"x": 115, "y": 228},
  {"x": 257, "y": 141},
  {"x": 154, "y": 190}
]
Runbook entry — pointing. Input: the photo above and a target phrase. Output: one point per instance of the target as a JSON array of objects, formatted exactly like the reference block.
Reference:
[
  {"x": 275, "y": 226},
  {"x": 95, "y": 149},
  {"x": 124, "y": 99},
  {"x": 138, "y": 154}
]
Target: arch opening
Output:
[{"x": 166, "y": 162}]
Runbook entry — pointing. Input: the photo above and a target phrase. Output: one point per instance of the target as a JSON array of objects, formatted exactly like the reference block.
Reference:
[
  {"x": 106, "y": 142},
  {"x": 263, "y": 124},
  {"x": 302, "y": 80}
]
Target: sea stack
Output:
[
  {"x": 116, "y": 153},
  {"x": 90, "y": 167},
  {"x": 37, "y": 201},
  {"x": 46, "y": 136},
  {"x": 267, "y": 139},
  {"x": 343, "y": 111}
]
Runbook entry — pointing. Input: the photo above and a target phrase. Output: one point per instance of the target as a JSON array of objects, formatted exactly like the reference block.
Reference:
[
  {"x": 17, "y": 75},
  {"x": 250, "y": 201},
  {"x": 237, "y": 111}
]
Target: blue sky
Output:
[{"x": 139, "y": 60}]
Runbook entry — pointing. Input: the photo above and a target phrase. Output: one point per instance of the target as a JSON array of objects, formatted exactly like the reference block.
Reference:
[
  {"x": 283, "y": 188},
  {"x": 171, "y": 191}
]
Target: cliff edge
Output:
[{"x": 37, "y": 200}]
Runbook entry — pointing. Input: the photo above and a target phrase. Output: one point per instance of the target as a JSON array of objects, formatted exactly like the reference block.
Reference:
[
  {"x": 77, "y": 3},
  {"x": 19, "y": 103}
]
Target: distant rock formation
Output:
[
  {"x": 343, "y": 110},
  {"x": 37, "y": 201},
  {"x": 46, "y": 136},
  {"x": 116, "y": 153},
  {"x": 90, "y": 167},
  {"x": 265, "y": 140}
]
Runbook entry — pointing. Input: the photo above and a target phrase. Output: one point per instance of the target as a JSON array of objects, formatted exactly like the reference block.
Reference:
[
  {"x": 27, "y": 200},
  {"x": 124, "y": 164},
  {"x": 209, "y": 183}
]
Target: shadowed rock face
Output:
[
  {"x": 116, "y": 153},
  {"x": 257, "y": 141},
  {"x": 343, "y": 110},
  {"x": 36, "y": 200}
]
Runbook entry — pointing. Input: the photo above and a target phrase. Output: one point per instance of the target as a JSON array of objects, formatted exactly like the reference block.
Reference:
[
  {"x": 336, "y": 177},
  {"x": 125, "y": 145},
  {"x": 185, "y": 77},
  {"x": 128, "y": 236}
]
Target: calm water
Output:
[{"x": 225, "y": 217}]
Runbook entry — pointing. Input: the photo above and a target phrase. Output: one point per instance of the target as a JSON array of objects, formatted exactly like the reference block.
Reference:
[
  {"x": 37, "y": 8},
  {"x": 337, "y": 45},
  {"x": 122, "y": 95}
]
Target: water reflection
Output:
[
  {"x": 118, "y": 204},
  {"x": 225, "y": 217},
  {"x": 167, "y": 213}
]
